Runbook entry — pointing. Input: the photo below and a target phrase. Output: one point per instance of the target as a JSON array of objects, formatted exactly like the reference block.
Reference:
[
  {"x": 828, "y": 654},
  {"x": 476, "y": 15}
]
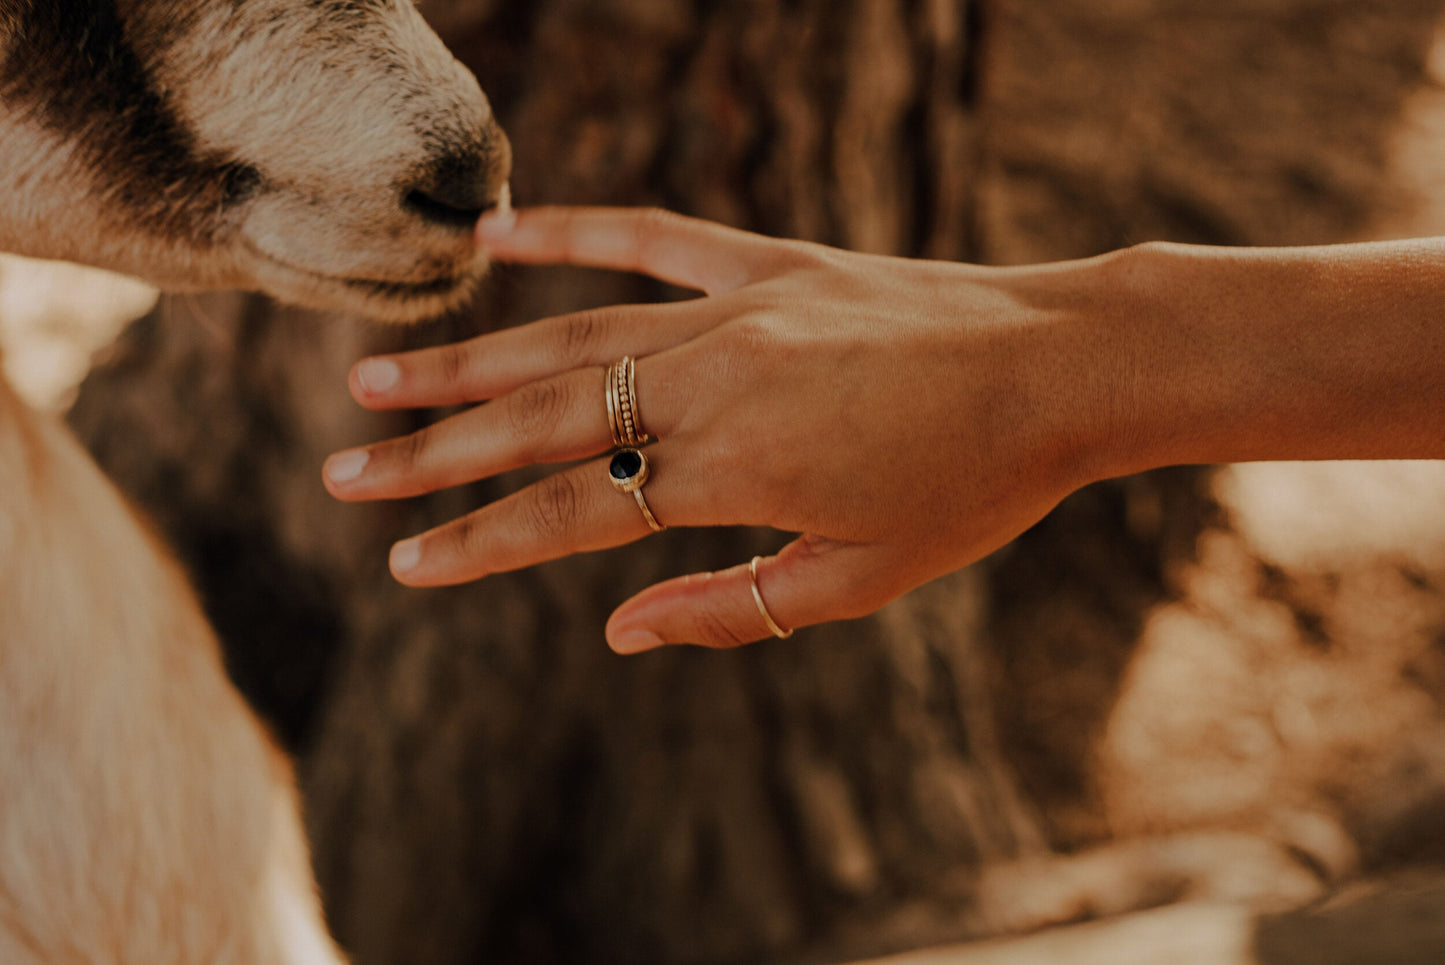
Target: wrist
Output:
[
  {"x": 1212, "y": 355},
  {"x": 1168, "y": 332},
  {"x": 1151, "y": 369},
  {"x": 1093, "y": 351},
  {"x": 1145, "y": 360}
]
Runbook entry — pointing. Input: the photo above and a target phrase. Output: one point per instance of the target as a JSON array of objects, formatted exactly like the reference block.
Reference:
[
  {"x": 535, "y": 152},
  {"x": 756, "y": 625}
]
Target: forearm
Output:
[{"x": 1232, "y": 355}]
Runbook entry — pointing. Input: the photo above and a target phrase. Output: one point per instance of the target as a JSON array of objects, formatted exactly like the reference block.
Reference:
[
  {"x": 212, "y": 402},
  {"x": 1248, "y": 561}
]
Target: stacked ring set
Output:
[{"x": 629, "y": 469}]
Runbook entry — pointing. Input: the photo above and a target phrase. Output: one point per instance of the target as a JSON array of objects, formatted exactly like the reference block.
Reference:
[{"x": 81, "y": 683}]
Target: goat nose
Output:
[{"x": 457, "y": 191}]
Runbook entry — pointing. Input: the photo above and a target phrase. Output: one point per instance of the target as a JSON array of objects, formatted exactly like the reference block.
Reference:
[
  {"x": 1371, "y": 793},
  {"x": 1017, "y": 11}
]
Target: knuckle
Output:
[
  {"x": 654, "y": 220},
  {"x": 857, "y": 590},
  {"x": 579, "y": 338},
  {"x": 731, "y": 450},
  {"x": 533, "y": 413},
  {"x": 715, "y": 630},
  {"x": 752, "y": 460},
  {"x": 410, "y": 451},
  {"x": 555, "y": 507},
  {"x": 652, "y": 227},
  {"x": 451, "y": 364},
  {"x": 775, "y": 487},
  {"x": 461, "y": 541},
  {"x": 808, "y": 254},
  {"x": 749, "y": 339}
]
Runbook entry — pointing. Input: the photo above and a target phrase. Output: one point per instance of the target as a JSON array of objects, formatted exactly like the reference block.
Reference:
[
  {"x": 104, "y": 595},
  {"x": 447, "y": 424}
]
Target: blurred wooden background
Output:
[{"x": 1212, "y": 686}]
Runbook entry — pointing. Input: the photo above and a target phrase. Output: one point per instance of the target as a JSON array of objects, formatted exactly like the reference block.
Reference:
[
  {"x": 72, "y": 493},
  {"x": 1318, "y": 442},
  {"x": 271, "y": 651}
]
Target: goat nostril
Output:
[
  {"x": 458, "y": 188},
  {"x": 450, "y": 209}
]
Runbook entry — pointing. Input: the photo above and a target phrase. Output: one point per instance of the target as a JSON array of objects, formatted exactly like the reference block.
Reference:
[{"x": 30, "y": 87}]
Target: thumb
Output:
[{"x": 810, "y": 581}]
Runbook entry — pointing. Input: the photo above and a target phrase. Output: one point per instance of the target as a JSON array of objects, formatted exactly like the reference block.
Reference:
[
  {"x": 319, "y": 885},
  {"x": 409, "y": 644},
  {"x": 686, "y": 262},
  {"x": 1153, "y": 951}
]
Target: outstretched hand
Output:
[{"x": 904, "y": 417}]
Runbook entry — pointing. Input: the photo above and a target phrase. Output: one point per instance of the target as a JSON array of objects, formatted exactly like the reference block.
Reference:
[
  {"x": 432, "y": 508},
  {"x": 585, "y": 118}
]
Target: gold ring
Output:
[
  {"x": 629, "y": 472},
  {"x": 622, "y": 414},
  {"x": 773, "y": 625}
]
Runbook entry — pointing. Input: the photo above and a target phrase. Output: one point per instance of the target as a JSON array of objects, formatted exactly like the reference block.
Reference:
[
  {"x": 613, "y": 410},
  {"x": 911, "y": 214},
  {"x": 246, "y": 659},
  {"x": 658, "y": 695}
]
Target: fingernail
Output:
[
  {"x": 497, "y": 224},
  {"x": 378, "y": 375},
  {"x": 346, "y": 466},
  {"x": 635, "y": 641},
  {"x": 405, "y": 555}
]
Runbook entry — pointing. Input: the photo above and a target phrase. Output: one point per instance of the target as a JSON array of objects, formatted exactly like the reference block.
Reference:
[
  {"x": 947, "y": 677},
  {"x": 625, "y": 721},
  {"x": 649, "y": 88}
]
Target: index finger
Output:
[{"x": 683, "y": 251}]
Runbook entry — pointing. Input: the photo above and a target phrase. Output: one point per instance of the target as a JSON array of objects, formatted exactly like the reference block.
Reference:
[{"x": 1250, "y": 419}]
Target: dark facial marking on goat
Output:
[
  {"x": 73, "y": 67},
  {"x": 464, "y": 170}
]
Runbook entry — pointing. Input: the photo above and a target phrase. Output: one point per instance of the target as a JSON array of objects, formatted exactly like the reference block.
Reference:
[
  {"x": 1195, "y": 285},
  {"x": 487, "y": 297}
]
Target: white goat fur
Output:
[
  {"x": 145, "y": 815},
  {"x": 329, "y": 109}
]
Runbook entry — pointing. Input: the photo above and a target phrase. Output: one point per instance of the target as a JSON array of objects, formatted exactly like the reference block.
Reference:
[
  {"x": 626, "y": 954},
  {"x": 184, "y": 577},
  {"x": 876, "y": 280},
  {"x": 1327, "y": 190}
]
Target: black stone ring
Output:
[{"x": 629, "y": 471}]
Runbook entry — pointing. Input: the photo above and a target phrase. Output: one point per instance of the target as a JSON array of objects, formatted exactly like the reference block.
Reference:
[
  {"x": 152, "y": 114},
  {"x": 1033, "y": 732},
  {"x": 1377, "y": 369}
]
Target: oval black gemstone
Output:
[{"x": 625, "y": 464}]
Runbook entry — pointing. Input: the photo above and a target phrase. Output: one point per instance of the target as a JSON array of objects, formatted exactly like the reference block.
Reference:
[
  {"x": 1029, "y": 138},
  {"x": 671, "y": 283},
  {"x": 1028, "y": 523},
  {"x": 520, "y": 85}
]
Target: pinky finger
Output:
[{"x": 810, "y": 581}]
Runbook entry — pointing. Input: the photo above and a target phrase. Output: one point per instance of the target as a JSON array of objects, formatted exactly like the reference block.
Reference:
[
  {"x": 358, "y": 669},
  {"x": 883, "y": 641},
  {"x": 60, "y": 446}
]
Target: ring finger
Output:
[{"x": 551, "y": 420}]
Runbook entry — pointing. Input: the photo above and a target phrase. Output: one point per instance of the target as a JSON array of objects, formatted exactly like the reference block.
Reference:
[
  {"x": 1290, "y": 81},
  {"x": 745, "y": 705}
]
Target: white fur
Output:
[
  {"x": 335, "y": 215},
  {"x": 145, "y": 816},
  {"x": 333, "y": 116}
]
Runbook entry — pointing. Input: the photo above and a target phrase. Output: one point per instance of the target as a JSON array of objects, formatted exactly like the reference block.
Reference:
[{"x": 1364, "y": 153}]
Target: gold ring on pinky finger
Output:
[
  {"x": 622, "y": 415},
  {"x": 773, "y": 625},
  {"x": 629, "y": 472}
]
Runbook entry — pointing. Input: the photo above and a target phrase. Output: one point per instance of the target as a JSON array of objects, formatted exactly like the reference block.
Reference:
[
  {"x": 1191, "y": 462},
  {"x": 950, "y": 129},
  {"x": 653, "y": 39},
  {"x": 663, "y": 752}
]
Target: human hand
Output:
[{"x": 904, "y": 417}]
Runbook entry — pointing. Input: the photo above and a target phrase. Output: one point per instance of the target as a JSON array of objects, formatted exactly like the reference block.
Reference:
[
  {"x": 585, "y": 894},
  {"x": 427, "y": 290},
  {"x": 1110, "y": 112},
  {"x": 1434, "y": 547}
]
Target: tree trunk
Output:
[{"x": 485, "y": 782}]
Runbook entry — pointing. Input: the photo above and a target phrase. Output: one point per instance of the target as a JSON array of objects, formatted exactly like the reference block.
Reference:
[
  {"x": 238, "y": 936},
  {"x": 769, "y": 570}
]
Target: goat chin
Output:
[{"x": 377, "y": 298}]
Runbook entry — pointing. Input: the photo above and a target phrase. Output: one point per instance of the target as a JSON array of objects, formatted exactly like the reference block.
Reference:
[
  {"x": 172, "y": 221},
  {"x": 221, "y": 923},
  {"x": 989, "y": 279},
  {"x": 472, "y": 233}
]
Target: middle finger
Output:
[{"x": 490, "y": 365}]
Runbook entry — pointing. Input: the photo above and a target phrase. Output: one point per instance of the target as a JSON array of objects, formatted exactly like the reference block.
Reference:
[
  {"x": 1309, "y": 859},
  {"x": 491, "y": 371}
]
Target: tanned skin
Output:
[{"x": 905, "y": 417}]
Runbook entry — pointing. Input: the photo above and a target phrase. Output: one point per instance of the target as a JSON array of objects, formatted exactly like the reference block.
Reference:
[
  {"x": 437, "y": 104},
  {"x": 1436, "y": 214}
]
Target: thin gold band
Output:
[
  {"x": 647, "y": 513},
  {"x": 773, "y": 625},
  {"x": 622, "y": 414},
  {"x": 612, "y": 409}
]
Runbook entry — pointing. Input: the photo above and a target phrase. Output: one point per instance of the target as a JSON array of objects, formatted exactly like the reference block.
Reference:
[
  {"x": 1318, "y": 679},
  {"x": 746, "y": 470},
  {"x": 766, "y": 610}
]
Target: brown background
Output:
[{"x": 485, "y": 782}]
